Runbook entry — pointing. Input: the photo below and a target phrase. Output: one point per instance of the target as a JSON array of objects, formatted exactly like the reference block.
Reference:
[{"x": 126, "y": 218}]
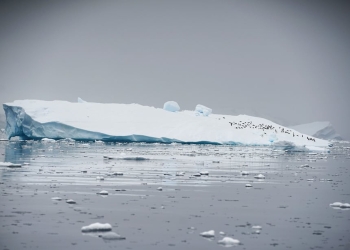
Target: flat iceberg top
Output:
[{"x": 62, "y": 119}]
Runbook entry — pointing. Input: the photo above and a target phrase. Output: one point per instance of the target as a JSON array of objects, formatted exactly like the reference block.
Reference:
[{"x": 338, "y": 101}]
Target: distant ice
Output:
[
  {"x": 340, "y": 205},
  {"x": 81, "y": 100},
  {"x": 259, "y": 176},
  {"x": 171, "y": 106},
  {"x": 97, "y": 227},
  {"x": 103, "y": 192},
  {"x": 70, "y": 201},
  {"x": 111, "y": 236}
]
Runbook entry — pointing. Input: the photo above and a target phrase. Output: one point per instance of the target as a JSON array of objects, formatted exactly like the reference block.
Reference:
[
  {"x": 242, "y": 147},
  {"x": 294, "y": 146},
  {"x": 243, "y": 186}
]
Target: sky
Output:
[{"x": 288, "y": 61}]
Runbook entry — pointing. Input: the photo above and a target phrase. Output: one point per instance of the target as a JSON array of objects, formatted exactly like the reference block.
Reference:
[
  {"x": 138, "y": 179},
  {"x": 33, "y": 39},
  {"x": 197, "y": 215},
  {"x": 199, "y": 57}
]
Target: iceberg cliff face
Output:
[
  {"x": 322, "y": 130},
  {"x": 135, "y": 123}
]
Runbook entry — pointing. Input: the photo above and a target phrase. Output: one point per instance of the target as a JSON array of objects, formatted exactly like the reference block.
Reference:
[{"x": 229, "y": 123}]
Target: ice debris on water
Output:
[
  {"x": 111, "y": 236},
  {"x": 248, "y": 185},
  {"x": 244, "y": 173},
  {"x": 100, "y": 178},
  {"x": 204, "y": 173},
  {"x": 10, "y": 165},
  {"x": 228, "y": 241},
  {"x": 70, "y": 201},
  {"x": 259, "y": 176},
  {"x": 103, "y": 192},
  {"x": 95, "y": 227},
  {"x": 340, "y": 205},
  {"x": 159, "y": 188},
  {"x": 56, "y": 198},
  {"x": 208, "y": 234}
]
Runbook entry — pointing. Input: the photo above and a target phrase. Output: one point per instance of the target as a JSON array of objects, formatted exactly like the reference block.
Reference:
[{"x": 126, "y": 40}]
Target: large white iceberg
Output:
[
  {"x": 135, "y": 123},
  {"x": 322, "y": 130}
]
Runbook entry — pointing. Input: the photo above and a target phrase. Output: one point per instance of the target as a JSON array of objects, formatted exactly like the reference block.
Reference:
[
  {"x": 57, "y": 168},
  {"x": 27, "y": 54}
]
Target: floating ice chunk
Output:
[
  {"x": 117, "y": 173},
  {"x": 70, "y": 201},
  {"x": 259, "y": 176},
  {"x": 103, "y": 192},
  {"x": 248, "y": 185},
  {"x": 47, "y": 140},
  {"x": 228, "y": 242},
  {"x": 127, "y": 158},
  {"x": 202, "y": 110},
  {"x": 56, "y": 198},
  {"x": 208, "y": 234},
  {"x": 204, "y": 173},
  {"x": 257, "y": 227},
  {"x": 111, "y": 236},
  {"x": 171, "y": 106},
  {"x": 10, "y": 165},
  {"x": 197, "y": 175},
  {"x": 244, "y": 173},
  {"x": 180, "y": 174},
  {"x": 340, "y": 205},
  {"x": 222, "y": 233},
  {"x": 305, "y": 166},
  {"x": 96, "y": 227},
  {"x": 160, "y": 189},
  {"x": 81, "y": 100},
  {"x": 100, "y": 178}
]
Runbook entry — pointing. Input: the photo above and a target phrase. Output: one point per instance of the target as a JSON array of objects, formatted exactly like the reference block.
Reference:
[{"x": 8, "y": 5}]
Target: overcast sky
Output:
[{"x": 288, "y": 60}]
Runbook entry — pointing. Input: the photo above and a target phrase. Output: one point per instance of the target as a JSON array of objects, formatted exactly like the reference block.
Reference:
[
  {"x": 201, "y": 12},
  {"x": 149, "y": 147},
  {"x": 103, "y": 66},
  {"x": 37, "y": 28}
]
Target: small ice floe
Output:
[
  {"x": 305, "y": 166},
  {"x": 204, "y": 173},
  {"x": 97, "y": 227},
  {"x": 10, "y": 165},
  {"x": 248, "y": 185},
  {"x": 117, "y": 173},
  {"x": 100, "y": 178},
  {"x": 126, "y": 158},
  {"x": 244, "y": 173},
  {"x": 216, "y": 161},
  {"x": 70, "y": 201},
  {"x": 111, "y": 236},
  {"x": 47, "y": 140},
  {"x": 160, "y": 189},
  {"x": 208, "y": 234},
  {"x": 56, "y": 198},
  {"x": 257, "y": 227},
  {"x": 197, "y": 175},
  {"x": 310, "y": 179},
  {"x": 259, "y": 176},
  {"x": 99, "y": 142},
  {"x": 339, "y": 205},
  {"x": 222, "y": 233},
  {"x": 228, "y": 242},
  {"x": 103, "y": 192},
  {"x": 180, "y": 174},
  {"x": 128, "y": 149}
]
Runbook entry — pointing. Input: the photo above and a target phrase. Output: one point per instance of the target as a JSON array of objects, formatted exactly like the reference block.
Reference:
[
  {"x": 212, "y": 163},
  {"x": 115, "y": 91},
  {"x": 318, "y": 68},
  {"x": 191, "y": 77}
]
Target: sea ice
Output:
[
  {"x": 248, "y": 185},
  {"x": 10, "y": 165},
  {"x": 259, "y": 176},
  {"x": 228, "y": 241},
  {"x": 171, "y": 106},
  {"x": 70, "y": 201},
  {"x": 340, "y": 205},
  {"x": 103, "y": 192},
  {"x": 111, "y": 236},
  {"x": 96, "y": 227},
  {"x": 56, "y": 198},
  {"x": 208, "y": 234}
]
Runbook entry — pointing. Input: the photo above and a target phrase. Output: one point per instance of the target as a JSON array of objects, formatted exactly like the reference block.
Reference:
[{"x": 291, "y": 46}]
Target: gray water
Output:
[{"x": 291, "y": 204}]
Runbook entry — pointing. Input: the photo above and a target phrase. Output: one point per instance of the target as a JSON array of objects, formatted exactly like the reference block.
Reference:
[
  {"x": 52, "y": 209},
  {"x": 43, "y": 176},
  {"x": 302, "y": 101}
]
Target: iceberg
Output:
[
  {"x": 202, "y": 110},
  {"x": 322, "y": 130},
  {"x": 34, "y": 119}
]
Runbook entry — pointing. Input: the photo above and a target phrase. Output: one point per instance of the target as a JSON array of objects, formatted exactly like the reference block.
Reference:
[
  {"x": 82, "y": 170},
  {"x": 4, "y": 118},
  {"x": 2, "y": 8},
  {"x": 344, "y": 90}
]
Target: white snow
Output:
[
  {"x": 208, "y": 234},
  {"x": 202, "y": 110},
  {"x": 97, "y": 227},
  {"x": 228, "y": 241},
  {"x": 132, "y": 122},
  {"x": 171, "y": 106}
]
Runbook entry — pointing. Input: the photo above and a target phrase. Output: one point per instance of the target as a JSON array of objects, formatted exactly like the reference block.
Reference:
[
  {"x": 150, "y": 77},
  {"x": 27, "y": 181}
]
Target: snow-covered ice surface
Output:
[
  {"x": 33, "y": 119},
  {"x": 271, "y": 214}
]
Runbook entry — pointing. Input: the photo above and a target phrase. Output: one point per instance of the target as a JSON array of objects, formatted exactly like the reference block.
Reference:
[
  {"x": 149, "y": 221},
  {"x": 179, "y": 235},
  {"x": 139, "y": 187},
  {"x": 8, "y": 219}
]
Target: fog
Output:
[{"x": 283, "y": 60}]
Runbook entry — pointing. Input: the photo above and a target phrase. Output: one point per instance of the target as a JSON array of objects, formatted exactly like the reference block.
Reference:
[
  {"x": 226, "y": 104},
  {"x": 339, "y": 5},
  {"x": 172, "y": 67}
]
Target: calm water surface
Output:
[{"x": 291, "y": 205}]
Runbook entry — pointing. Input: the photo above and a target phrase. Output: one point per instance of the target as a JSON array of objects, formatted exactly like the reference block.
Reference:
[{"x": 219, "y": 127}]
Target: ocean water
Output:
[{"x": 163, "y": 196}]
